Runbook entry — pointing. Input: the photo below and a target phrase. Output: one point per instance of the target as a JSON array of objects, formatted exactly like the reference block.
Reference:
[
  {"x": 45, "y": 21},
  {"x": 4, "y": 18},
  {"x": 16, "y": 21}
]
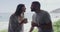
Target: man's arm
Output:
[
  {"x": 48, "y": 25},
  {"x": 31, "y": 29},
  {"x": 32, "y": 26},
  {"x": 48, "y": 22}
]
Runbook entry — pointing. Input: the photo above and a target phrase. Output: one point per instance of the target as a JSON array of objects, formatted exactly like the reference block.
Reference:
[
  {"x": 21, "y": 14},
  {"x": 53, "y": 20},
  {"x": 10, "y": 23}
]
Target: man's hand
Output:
[{"x": 34, "y": 24}]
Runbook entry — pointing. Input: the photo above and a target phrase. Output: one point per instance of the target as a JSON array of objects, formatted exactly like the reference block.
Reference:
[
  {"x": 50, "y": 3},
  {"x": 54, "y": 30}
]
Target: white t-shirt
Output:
[{"x": 41, "y": 18}]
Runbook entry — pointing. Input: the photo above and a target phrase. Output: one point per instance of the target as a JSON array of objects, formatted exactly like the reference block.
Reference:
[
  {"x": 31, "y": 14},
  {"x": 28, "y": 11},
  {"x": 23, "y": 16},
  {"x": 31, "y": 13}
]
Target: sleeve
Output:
[
  {"x": 32, "y": 20},
  {"x": 32, "y": 17},
  {"x": 13, "y": 23}
]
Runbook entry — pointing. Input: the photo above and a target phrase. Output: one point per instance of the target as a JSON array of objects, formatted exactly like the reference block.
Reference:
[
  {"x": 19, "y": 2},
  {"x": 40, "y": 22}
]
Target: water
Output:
[
  {"x": 6, "y": 16},
  {"x": 55, "y": 16}
]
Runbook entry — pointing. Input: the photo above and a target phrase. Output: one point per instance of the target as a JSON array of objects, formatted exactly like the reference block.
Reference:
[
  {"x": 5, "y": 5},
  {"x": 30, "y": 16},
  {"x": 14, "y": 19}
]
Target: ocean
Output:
[{"x": 6, "y": 16}]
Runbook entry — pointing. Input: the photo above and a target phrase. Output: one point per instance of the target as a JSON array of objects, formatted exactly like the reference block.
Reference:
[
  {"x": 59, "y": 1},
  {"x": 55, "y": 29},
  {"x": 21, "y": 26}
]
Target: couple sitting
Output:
[{"x": 41, "y": 19}]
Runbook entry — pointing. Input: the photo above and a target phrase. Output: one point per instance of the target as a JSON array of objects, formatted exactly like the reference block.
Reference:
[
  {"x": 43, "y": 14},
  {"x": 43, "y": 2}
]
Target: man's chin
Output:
[{"x": 32, "y": 10}]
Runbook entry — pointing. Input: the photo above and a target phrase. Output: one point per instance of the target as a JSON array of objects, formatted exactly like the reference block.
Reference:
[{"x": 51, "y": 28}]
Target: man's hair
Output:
[{"x": 37, "y": 3}]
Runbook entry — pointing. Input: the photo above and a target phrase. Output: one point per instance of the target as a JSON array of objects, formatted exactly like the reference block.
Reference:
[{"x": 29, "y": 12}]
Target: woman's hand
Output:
[{"x": 25, "y": 20}]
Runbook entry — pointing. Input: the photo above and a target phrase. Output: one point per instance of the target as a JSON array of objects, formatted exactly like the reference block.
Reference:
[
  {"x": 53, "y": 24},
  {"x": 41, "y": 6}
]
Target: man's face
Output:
[{"x": 33, "y": 8}]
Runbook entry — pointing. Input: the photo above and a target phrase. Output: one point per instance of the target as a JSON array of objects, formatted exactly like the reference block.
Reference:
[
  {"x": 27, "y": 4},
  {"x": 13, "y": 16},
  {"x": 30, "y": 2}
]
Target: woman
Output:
[{"x": 17, "y": 19}]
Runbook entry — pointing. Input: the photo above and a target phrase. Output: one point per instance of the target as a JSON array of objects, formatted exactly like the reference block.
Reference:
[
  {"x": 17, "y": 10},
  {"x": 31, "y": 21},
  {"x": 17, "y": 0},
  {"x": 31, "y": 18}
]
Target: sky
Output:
[{"x": 9, "y": 6}]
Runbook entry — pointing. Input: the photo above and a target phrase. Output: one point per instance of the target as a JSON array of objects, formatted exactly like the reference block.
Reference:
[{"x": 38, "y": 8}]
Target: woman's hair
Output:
[{"x": 19, "y": 9}]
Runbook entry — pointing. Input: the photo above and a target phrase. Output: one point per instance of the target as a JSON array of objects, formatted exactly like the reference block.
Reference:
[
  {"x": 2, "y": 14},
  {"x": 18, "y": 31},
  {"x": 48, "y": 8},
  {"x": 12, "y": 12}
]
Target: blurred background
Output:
[{"x": 8, "y": 7}]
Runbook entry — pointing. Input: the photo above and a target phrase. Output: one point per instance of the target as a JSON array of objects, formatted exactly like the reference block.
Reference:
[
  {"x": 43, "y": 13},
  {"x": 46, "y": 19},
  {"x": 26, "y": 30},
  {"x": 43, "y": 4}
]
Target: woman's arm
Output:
[{"x": 23, "y": 21}]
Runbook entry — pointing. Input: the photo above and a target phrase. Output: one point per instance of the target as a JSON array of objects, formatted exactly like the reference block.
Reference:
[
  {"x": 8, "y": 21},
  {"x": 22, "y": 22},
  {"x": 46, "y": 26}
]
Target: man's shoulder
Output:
[{"x": 44, "y": 12}]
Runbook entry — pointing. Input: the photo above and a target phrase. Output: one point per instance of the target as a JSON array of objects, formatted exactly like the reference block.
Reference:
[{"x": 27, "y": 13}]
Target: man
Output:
[{"x": 41, "y": 19}]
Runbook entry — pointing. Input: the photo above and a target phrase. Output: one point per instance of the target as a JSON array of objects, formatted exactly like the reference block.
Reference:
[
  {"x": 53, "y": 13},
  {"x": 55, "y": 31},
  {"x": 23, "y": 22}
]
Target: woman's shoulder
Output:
[{"x": 12, "y": 16}]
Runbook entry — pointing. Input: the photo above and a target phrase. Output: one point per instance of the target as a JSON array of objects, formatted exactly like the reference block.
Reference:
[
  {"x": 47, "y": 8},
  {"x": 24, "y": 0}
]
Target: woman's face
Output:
[{"x": 23, "y": 8}]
